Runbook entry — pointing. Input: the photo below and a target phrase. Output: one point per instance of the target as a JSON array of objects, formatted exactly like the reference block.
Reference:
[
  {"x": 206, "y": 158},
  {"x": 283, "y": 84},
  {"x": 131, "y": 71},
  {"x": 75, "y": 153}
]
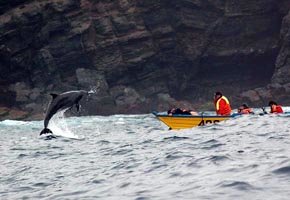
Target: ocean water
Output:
[{"x": 137, "y": 157}]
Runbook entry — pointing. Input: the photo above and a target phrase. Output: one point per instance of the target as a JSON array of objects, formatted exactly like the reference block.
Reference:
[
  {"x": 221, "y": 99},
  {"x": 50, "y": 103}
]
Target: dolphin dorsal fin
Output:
[{"x": 53, "y": 95}]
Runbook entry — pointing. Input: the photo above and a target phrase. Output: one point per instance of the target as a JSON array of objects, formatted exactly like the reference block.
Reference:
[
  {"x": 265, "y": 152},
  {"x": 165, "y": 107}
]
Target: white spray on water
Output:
[{"x": 59, "y": 126}]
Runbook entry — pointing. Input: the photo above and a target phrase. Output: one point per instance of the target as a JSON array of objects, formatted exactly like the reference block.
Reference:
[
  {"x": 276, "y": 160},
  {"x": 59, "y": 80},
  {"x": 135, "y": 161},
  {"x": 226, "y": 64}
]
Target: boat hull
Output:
[{"x": 189, "y": 121}]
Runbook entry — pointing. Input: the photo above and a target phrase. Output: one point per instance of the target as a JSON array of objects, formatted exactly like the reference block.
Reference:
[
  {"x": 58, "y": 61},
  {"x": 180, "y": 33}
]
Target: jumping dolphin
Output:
[{"x": 60, "y": 102}]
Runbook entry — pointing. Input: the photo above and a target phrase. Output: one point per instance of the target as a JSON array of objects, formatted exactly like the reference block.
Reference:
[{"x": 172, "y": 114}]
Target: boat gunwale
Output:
[{"x": 195, "y": 116}]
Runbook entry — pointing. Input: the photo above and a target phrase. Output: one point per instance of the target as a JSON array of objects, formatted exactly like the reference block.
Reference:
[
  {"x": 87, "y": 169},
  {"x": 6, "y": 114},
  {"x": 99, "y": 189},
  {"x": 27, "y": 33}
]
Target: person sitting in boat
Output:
[
  {"x": 245, "y": 109},
  {"x": 179, "y": 111},
  {"x": 275, "y": 108},
  {"x": 222, "y": 104}
]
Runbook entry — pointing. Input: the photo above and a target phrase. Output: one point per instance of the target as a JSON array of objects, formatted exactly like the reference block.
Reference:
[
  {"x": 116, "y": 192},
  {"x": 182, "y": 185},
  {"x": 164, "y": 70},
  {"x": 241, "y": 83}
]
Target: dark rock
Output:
[
  {"x": 17, "y": 114},
  {"x": 125, "y": 96},
  {"x": 91, "y": 79},
  {"x": 22, "y": 91},
  {"x": 287, "y": 88},
  {"x": 35, "y": 94},
  {"x": 251, "y": 95},
  {"x": 276, "y": 90},
  {"x": 4, "y": 111},
  {"x": 282, "y": 70},
  {"x": 142, "y": 53},
  {"x": 165, "y": 102},
  {"x": 264, "y": 93}
]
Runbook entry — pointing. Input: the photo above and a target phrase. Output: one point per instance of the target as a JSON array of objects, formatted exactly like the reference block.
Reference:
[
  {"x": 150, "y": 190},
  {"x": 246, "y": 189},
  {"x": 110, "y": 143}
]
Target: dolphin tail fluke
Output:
[{"x": 45, "y": 131}]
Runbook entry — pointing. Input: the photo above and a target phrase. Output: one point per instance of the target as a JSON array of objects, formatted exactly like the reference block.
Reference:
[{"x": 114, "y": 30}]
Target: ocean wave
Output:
[
  {"x": 9, "y": 122},
  {"x": 243, "y": 158}
]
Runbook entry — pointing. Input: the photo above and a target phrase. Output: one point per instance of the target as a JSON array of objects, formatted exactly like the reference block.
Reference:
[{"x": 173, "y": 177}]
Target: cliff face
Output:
[
  {"x": 279, "y": 87},
  {"x": 282, "y": 70},
  {"x": 140, "y": 55}
]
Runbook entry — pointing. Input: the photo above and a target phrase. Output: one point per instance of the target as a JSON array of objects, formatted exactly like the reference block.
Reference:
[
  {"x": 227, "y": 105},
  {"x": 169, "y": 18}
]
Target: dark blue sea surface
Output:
[{"x": 137, "y": 157}]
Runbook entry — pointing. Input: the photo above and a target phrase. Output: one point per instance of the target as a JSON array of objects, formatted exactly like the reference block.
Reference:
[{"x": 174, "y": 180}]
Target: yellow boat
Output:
[{"x": 189, "y": 121}]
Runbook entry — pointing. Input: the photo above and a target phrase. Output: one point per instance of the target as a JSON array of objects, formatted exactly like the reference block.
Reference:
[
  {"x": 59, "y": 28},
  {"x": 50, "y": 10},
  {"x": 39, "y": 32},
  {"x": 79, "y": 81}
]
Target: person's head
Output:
[
  {"x": 245, "y": 106},
  {"x": 242, "y": 107},
  {"x": 218, "y": 95},
  {"x": 272, "y": 103}
]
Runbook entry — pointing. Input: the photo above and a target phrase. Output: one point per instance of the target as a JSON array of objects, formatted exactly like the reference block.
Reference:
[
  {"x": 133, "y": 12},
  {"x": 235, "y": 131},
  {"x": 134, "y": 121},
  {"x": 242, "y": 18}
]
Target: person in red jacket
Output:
[
  {"x": 245, "y": 109},
  {"x": 275, "y": 108},
  {"x": 222, "y": 104}
]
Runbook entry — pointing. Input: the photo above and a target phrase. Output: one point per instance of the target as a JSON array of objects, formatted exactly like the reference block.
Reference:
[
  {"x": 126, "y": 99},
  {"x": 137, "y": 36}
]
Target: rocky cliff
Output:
[{"x": 142, "y": 55}]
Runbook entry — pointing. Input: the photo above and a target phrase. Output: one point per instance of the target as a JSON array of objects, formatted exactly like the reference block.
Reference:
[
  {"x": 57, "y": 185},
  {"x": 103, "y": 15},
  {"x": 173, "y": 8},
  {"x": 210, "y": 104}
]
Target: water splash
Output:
[
  {"x": 95, "y": 89},
  {"x": 59, "y": 126}
]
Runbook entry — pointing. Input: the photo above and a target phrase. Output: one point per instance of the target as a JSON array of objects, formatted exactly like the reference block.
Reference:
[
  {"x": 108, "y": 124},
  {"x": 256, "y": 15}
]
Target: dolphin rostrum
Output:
[{"x": 61, "y": 102}]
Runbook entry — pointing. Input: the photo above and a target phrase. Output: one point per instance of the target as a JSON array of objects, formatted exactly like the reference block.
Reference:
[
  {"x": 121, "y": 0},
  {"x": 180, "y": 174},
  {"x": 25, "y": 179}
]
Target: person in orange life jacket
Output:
[
  {"x": 222, "y": 104},
  {"x": 244, "y": 109},
  {"x": 275, "y": 108}
]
